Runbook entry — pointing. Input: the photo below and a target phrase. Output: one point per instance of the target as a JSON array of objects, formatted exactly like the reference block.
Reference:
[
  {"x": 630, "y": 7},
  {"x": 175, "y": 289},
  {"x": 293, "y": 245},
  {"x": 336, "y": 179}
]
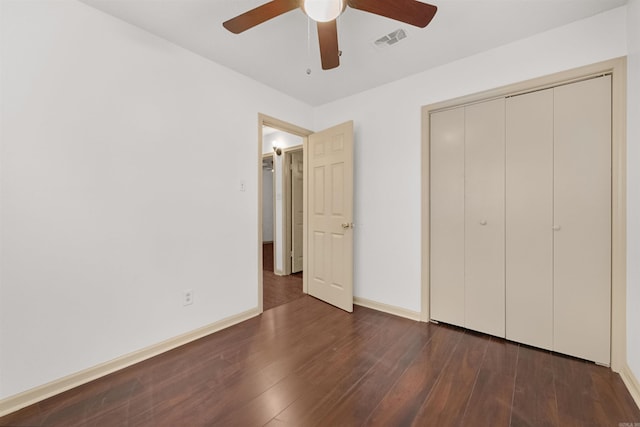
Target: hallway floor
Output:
[{"x": 278, "y": 290}]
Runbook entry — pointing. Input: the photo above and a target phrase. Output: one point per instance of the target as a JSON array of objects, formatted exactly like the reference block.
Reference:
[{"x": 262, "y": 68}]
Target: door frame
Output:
[
  {"x": 617, "y": 68},
  {"x": 264, "y": 120}
]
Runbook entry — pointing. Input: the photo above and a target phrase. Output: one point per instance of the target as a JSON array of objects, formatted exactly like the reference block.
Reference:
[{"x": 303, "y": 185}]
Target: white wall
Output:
[
  {"x": 387, "y": 142},
  {"x": 282, "y": 140},
  {"x": 633, "y": 188},
  {"x": 121, "y": 162}
]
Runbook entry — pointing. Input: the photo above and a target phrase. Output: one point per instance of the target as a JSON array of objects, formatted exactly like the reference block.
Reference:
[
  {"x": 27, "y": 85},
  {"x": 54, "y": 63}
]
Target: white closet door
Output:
[
  {"x": 529, "y": 218},
  {"x": 447, "y": 216},
  {"x": 484, "y": 217},
  {"x": 582, "y": 219}
]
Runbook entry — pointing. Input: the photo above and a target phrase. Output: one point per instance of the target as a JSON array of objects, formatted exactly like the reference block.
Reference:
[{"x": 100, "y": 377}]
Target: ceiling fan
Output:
[{"x": 325, "y": 12}]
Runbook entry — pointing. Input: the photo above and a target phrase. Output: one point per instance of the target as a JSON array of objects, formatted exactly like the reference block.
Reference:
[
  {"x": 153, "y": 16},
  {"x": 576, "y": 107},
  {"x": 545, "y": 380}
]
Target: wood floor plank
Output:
[
  {"x": 261, "y": 408},
  {"x": 255, "y": 373},
  {"x": 335, "y": 377},
  {"x": 277, "y": 290},
  {"x": 338, "y": 360},
  {"x": 446, "y": 404},
  {"x": 401, "y": 404},
  {"x": 264, "y": 408},
  {"x": 577, "y": 395},
  {"x": 267, "y": 256},
  {"x": 611, "y": 398},
  {"x": 358, "y": 403},
  {"x": 534, "y": 396},
  {"x": 490, "y": 401}
]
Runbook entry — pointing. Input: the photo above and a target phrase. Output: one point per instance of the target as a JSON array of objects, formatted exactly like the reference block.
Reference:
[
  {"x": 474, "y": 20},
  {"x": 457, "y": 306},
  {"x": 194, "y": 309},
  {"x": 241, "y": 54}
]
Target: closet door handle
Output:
[
  {"x": 483, "y": 222},
  {"x": 556, "y": 227}
]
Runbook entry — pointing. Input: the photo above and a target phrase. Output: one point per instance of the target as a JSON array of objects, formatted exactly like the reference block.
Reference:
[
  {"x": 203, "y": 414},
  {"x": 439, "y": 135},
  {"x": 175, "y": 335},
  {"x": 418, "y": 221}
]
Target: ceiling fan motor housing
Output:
[{"x": 323, "y": 10}]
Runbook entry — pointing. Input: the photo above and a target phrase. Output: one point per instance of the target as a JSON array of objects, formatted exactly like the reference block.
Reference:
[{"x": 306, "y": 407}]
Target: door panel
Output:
[
  {"x": 529, "y": 218},
  {"x": 337, "y": 255},
  {"x": 331, "y": 216},
  {"x": 337, "y": 196},
  {"x": 297, "y": 210},
  {"x": 317, "y": 255},
  {"x": 447, "y": 216},
  {"x": 318, "y": 190},
  {"x": 582, "y": 217},
  {"x": 484, "y": 217}
]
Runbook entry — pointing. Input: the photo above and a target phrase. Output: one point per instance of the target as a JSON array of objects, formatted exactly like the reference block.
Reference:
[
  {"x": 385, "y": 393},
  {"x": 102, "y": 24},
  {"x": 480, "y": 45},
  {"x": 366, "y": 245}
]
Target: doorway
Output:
[
  {"x": 282, "y": 152},
  {"x": 327, "y": 231}
]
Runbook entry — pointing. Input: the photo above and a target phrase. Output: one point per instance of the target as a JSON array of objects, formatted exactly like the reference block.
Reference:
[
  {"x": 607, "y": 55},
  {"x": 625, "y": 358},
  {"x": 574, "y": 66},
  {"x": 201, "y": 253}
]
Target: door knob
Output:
[
  {"x": 483, "y": 222},
  {"x": 347, "y": 225}
]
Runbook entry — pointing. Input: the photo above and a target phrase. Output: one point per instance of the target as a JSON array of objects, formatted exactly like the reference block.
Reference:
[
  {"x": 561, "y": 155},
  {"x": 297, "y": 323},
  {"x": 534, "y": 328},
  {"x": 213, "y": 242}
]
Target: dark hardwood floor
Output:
[
  {"x": 267, "y": 256},
  {"x": 277, "y": 290},
  {"x": 306, "y": 363}
]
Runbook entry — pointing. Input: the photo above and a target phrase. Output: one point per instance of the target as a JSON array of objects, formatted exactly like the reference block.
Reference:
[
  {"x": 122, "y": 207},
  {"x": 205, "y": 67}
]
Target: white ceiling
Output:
[{"x": 277, "y": 52}]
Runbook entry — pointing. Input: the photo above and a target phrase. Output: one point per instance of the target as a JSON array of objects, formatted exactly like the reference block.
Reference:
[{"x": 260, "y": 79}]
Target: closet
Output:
[{"x": 520, "y": 217}]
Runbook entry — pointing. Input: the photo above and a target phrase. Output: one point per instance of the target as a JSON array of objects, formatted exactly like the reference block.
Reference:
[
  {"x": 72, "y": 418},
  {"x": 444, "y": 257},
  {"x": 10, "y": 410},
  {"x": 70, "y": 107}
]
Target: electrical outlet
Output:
[{"x": 187, "y": 297}]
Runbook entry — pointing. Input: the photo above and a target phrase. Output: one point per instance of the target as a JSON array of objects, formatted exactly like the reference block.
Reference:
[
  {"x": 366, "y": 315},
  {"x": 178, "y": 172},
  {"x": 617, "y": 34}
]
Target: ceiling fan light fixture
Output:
[{"x": 323, "y": 10}]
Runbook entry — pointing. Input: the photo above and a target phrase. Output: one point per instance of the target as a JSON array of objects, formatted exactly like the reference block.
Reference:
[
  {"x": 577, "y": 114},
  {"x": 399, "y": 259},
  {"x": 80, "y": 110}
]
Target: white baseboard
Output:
[
  {"x": 391, "y": 309},
  {"x": 632, "y": 383},
  {"x": 37, "y": 394}
]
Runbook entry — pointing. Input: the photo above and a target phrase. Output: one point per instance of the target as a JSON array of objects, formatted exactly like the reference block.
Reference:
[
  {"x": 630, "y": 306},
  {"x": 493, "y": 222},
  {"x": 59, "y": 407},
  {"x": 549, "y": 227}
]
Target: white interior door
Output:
[
  {"x": 447, "y": 216},
  {"x": 582, "y": 219},
  {"x": 330, "y": 232},
  {"x": 297, "y": 210},
  {"x": 529, "y": 218},
  {"x": 484, "y": 217}
]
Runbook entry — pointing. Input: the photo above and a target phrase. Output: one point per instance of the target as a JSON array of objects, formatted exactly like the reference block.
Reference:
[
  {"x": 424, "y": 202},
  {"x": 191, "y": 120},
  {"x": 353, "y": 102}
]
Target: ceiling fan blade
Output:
[
  {"x": 259, "y": 15},
  {"x": 408, "y": 11},
  {"x": 328, "y": 37}
]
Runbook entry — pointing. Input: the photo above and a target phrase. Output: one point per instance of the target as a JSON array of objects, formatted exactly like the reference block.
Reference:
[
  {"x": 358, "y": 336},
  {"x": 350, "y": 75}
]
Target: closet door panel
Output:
[
  {"x": 529, "y": 218},
  {"x": 582, "y": 218},
  {"x": 484, "y": 217},
  {"x": 447, "y": 216}
]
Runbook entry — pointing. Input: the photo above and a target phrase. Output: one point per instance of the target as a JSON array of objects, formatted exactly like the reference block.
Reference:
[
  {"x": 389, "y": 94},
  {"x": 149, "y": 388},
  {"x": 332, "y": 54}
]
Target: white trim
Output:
[
  {"x": 386, "y": 308},
  {"x": 305, "y": 214},
  {"x": 37, "y": 394},
  {"x": 632, "y": 383}
]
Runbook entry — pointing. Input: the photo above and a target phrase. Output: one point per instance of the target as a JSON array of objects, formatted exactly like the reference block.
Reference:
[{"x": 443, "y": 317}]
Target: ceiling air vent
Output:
[{"x": 390, "y": 39}]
